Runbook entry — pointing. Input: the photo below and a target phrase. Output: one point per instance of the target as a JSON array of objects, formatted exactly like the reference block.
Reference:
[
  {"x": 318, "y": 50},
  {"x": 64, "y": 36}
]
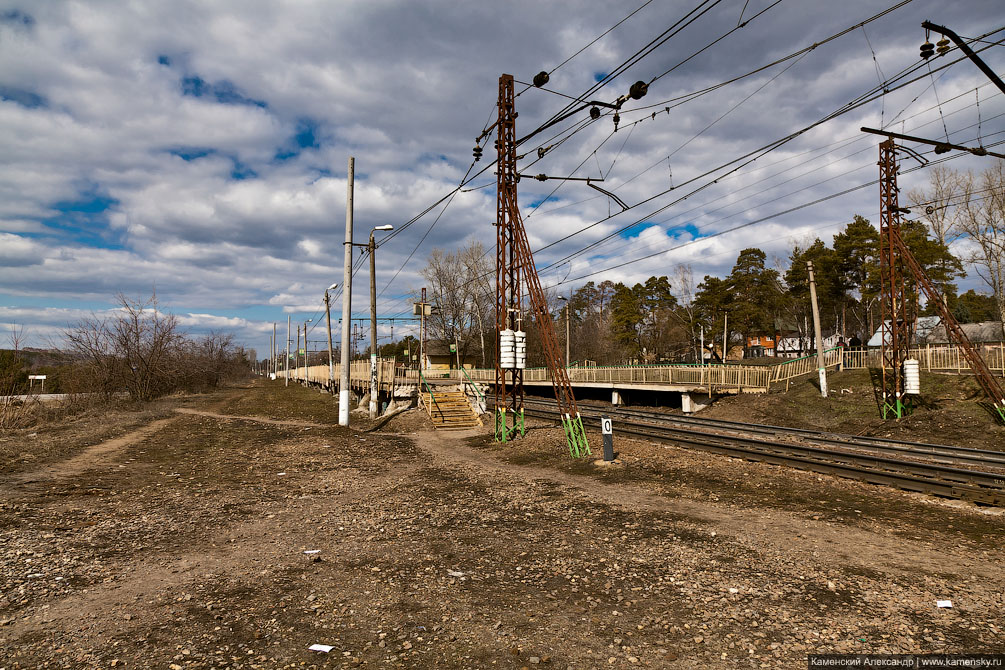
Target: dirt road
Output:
[{"x": 182, "y": 544}]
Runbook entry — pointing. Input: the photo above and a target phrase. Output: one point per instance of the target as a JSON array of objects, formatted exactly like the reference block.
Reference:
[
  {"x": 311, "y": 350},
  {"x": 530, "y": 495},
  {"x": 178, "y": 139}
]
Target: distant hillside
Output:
[{"x": 41, "y": 358}]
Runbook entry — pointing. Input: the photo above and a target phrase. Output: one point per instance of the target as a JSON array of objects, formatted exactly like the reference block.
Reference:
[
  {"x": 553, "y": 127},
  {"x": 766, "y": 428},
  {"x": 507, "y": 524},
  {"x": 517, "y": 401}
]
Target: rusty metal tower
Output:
[
  {"x": 898, "y": 313},
  {"x": 514, "y": 265},
  {"x": 509, "y": 392}
]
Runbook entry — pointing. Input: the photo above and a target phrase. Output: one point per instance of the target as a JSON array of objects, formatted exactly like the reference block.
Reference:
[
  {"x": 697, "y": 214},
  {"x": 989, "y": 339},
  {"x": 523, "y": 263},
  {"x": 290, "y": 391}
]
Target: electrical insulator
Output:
[
  {"x": 617, "y": 120},
  {"x": 540, "y": 152},
  {"x": 541, "y": 177},
  {"x": 927, "y": 50},
  {"x": 594, "y": 113},
  {"x": 507, "y": 349},
  {"x": 942, "y": 148},
  {"x": 638, "y": 90},
  {"x": 541, "y": 78},
  {"x": 477, "y": 151},
  {"x": 520, "y": 349},
  {"x": 942, "y": 46}
]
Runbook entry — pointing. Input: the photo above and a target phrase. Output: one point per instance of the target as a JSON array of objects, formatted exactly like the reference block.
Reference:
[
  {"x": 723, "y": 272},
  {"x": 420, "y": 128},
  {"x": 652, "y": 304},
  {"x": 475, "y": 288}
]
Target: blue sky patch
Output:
[
  {"x": 191, "y": 153},
  {"x": 306, "y": 135},
  {"x": 689, "y": 228},
  {"x": 223, "y": 92},
  {"x": 599, "y": 76},
  {"x": 85, "y": 221},
  {"x": 635, "y": 230},
  {"x": 541, "y": 201},
  {"x": 242, "y": 171},
  {"x": 164, "y": 60},
  {"x": 17, "y": 17},
  {"x": 21, "y": 96}
]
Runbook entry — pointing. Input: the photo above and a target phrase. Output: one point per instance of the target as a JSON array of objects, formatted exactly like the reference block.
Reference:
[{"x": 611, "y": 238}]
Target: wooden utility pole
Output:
[
  {"x": 422, "y": 308},
  {"x": 821, "y": 367},
  {"x": 343, "y": 391}
]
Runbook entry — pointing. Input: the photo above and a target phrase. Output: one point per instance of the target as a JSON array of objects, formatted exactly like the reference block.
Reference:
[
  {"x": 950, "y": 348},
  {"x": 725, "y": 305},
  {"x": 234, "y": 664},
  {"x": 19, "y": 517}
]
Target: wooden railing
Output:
[
  {"x": 728, "y": 378},
  {"x": 940, "y": 358},
  {"x": 359, "y": 374},
  {"x": 715, "y": 378},
  {"x": 783, "y": 372}
]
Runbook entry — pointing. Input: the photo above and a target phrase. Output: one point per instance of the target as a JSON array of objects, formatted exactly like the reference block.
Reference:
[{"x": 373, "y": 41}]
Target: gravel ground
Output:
[{"x": 182, "y": 544}]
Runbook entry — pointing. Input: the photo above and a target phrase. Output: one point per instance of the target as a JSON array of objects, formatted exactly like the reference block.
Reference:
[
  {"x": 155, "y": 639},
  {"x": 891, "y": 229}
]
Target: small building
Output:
[
  {"x": 760, "y": 345},
  {"x": 795, "y": 345},
  {"x": 985, "y": 331},
  {"x": 929, "y": 330},
  {"x": 443, "y": 356}
]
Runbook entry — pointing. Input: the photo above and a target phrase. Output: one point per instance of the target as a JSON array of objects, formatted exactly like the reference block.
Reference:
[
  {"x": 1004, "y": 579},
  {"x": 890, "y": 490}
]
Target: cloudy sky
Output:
[{"x": 199, "y": 149}]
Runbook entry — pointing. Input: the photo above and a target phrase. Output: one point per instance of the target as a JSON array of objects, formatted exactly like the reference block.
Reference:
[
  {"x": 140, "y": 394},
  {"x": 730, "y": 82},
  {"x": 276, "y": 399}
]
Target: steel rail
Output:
[
  {"x": 940, "y": 453},
  {"x": 934, "y": 479}
]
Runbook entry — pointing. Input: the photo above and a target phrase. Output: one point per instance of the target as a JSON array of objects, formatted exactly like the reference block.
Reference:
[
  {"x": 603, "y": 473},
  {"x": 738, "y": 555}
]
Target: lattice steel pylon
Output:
[
  {"x": 894, "y": 255},
  {"x": 515, "y": 262},
  {"x": 896, "y": 312}
]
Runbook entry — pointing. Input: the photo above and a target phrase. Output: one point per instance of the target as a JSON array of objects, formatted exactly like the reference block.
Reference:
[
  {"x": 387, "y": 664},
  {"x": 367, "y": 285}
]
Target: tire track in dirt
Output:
[
  {"x": 93, "y": 456},
  {"x": 256, "y": 419}
]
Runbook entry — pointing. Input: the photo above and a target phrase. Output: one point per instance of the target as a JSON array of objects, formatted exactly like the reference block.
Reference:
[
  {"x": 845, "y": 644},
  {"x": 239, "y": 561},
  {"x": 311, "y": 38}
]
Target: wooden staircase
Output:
[{"x": 450, "y": 410}]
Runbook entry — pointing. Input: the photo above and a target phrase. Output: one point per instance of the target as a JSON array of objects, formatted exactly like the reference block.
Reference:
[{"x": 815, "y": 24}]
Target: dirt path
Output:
[
  {"x": 92, "y": 457},
  {"x": 256, "y": 419}
]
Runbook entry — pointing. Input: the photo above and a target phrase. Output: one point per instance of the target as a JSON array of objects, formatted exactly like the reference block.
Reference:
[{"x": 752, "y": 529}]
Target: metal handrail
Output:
[
  {"x": 473, "y": 384},
  {"x": 431, "y": 395}
]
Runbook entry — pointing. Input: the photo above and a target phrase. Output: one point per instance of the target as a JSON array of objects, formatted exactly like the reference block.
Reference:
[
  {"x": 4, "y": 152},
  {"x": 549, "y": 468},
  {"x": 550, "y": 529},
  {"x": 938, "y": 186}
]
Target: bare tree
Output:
[
  {"x": 481, "y": 293},
  {"x": 460, "y": 287},
  {"x": 141, "y": 350},
  {"x": 934, "y": 205},
  {"x": 982, "y": 219},
  {"x": 684, "y": 288}
]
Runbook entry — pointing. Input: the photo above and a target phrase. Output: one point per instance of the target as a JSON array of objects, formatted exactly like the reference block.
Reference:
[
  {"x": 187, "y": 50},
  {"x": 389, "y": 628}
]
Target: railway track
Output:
[{"x": 911, "y": 466}]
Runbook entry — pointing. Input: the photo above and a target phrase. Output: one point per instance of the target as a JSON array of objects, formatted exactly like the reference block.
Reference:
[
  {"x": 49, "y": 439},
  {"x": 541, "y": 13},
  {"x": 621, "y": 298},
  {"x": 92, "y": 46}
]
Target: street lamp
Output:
[
  {"x": 566, "y": 300},
  {"x": 306, "y": 350},
  {"x": 331, "y": 359}
]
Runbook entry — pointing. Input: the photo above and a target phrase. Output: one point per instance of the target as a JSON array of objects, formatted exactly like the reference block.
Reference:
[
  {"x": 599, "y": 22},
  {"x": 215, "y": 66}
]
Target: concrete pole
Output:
[
  {"x": 331, "y": 355},
  {"x": 343, "y": 390},
  {"x": 821, "y": 368},
  {"x": 298, "y": 351},
  {"x": 373, "y": 329},
  {"x": 288, "y": 350},
  {"x": 307, "y": 351},
  {"x": 275, "y": 359}
]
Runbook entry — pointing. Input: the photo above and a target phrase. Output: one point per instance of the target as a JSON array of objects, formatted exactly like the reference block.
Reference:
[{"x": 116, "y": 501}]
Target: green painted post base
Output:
[
  {"x": 503, "y": 432},
  {"x": 897, "y": 409},
  {"x": 575, "y": 436}
]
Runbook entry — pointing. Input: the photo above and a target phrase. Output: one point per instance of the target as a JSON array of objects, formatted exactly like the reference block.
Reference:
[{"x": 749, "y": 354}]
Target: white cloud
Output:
[{"x": 212, "y": 203}]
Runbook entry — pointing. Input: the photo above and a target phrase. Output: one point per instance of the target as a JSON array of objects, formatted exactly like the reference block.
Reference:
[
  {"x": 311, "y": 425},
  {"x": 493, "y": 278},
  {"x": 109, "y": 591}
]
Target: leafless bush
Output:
[
  {"x": 142, "y": 351},
  {"x": 15, "y": 412}
]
